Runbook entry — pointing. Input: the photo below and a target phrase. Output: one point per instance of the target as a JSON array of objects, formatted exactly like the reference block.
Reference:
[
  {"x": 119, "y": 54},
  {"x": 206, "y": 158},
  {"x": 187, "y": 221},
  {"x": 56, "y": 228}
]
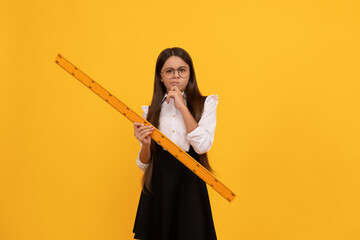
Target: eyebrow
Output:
[{"x": 173, "y": 68}]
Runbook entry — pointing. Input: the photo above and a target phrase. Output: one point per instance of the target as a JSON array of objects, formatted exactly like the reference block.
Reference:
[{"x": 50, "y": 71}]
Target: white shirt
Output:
[{"x": 172, "y": 124}]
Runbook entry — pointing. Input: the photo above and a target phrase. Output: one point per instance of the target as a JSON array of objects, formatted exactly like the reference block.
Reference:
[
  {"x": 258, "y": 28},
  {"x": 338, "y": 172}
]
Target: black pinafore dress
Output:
[{"x": 178, "y": 207}]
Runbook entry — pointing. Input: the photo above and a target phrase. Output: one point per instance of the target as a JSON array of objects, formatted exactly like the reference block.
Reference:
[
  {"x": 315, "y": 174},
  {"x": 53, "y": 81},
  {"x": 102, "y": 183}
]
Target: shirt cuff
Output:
[
  {"x": 200, "y": 140},
  {"x": 141, "y": 165},
  {"x": 196, "y": 132}
]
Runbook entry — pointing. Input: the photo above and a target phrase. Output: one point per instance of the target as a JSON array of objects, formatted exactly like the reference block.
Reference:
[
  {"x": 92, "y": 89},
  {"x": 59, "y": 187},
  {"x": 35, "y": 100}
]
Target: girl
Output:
[{"x": 174, "y": 202}]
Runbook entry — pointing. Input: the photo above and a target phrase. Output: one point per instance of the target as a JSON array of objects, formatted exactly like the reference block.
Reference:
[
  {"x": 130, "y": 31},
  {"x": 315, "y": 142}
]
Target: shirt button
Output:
[
  {"x": 173, "y": 115},
  {"x": 173, "y": 131}
]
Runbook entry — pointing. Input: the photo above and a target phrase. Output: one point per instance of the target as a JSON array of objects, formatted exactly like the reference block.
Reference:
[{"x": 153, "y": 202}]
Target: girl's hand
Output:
[
  {"x": 175, "y": 93},
  {"x": 142, "y": 133}
]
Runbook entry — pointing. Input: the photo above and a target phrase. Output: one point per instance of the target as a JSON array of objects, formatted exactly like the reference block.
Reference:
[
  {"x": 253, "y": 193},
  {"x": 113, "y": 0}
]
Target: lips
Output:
[{"x": 175, "y": 83}]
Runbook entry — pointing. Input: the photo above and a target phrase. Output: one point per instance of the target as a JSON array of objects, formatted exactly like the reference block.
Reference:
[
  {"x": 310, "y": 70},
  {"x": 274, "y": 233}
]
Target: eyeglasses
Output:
[{"x": 170, "y": 72}]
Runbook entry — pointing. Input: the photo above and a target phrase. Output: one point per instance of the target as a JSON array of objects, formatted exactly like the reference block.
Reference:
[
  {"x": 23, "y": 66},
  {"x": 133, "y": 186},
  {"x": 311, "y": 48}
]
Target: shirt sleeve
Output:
[
  {"x": 141, "y": 165},
  {"x": 202, "y": 137}
]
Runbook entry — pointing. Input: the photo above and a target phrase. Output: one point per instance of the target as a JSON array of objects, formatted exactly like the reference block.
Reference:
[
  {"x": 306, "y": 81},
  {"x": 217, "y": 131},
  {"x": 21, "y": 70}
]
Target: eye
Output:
[
  {"x": 168, "y": 70},
  {"x": 182, "y": 69}
]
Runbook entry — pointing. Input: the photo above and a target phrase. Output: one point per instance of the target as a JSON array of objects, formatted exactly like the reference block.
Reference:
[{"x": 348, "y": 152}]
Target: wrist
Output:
[
  {"x": 183, "y": 108},
  {"x": 145, "y": 145}
]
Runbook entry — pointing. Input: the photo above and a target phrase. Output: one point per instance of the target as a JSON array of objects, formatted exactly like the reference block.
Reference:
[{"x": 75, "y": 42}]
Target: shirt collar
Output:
[{"x": 183, "y": 93}]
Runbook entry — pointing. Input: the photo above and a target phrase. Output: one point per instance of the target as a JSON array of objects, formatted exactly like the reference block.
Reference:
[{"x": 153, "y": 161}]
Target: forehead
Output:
[{"x": 174, "y": 62}]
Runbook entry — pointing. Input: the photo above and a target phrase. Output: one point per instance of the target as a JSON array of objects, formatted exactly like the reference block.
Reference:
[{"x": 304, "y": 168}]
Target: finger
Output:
[
  {"x": 173, "y": 88},
  {"x": 139, "y": 131},
  {"x": 141, "y": 136},
  {"x": 145, "y": 134},
  {"x": 144, "y": 128},
  {"x": 141, "y": 125},
  {"x": 175, "y": 91},
  {"x": 173, "y": 95},
  {"x": 137, "y": 124}
]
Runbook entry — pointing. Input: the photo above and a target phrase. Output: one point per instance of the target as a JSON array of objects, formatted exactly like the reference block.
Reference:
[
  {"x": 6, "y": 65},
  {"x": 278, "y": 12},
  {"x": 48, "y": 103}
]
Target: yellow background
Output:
[{"x": 287, "y": 138}]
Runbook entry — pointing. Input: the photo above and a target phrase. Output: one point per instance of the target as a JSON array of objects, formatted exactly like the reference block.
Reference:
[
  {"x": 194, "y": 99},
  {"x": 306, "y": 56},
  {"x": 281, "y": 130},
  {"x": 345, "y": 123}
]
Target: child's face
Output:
[{"x": 180, "y": 81}]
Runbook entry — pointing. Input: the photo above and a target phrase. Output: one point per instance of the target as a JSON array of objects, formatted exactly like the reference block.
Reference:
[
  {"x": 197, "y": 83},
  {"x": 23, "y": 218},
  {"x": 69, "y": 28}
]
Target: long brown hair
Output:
[{"x": 194, "y": 101}]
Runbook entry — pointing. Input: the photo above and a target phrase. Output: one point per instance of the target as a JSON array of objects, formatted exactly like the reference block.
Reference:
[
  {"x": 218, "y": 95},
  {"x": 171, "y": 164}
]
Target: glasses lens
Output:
[
  {"x": 169, "y": 73},
  {"x": 184, "y": 72}
]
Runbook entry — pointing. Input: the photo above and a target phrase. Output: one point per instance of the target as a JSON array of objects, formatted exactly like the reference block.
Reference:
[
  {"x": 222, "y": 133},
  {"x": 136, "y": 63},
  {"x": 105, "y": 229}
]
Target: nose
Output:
[{"x": 176, "y": 73}]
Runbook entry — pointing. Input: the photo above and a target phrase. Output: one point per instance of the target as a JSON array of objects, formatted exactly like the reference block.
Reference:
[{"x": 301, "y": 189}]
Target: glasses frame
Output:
[{"x": 174, "y": 72}]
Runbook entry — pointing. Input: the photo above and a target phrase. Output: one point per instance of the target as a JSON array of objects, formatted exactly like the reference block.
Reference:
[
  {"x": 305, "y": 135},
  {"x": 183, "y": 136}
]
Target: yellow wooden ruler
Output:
[{"x": 158, "y": 136}]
